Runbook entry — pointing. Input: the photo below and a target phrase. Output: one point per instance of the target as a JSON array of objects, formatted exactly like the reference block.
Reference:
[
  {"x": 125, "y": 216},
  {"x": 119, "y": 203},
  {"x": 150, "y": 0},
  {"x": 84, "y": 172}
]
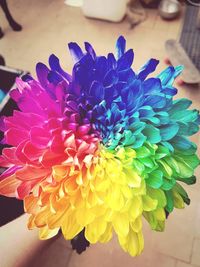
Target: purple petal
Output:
[
  {"x": 90, "y": 50},
  {"x": 75, "y": 51},
  {"x": 54, "y": 64}
]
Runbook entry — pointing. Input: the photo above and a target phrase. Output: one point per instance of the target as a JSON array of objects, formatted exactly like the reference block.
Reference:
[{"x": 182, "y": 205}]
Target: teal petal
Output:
[
  {"x": 168, "y": 131},
  {"x": 152, "y": 134}
]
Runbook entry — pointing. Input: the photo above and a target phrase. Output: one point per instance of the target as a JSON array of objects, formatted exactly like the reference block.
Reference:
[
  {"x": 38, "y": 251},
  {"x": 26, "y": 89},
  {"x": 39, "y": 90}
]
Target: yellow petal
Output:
[
  {"x": 133, "y": 179},
  {"x": 149, "y": 203},
  {"x": 46, "y": 233},
  {"x": 115, "y": 198},
  {"x": 121, "y": 224},
  {"x": 70, "y": 227},
  {"x": 107, "y": 235},
  {"x": 60, "y": 172},
  {"x": 94, "y": 230},
  {"x": 84, "y": 215},
  {"x": 137, "y": 225},
  {"x": 135, "y": 208},
  {"x": 133, "y": 243}
]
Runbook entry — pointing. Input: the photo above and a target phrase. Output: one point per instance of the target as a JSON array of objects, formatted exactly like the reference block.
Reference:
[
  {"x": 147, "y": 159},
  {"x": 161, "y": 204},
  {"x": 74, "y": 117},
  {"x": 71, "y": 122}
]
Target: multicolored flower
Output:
[{"x": 100, "y": 148}]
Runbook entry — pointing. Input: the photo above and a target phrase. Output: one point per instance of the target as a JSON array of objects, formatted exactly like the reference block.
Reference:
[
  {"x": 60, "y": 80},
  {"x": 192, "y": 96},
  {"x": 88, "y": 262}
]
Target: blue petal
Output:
[
  {"x": 75, "y": 51},
  {"x": 126, "y": 60},
  {"x": 146, "y": 111},
  {"x": 110, "y": 78},
  {"x": 152, "y": 86},
  {"x": 157, "y": 101},
  {"x": 83, "y": 72},
  {"x": 101, "y": 67},
  {"x": 126, "y": 76},
  {"x": 148, "y": 68},
  {"x": 42, "y": 73},
  {"x": 55, "y": 66},
  {"x": 97, "y": 91},
  {"x": 90, "y": 50},
  {"x": 171, "y": 91},
  {"x": 27, "y": 77},
  {"x": 54, "y": 77},
  {"x": 120, "y": 46},
  {"x": 112, "y": 63}
]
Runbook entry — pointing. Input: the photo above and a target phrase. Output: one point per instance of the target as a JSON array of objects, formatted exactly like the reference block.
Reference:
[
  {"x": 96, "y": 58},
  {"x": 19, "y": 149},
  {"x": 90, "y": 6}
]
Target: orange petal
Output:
[{"x": 8, "y": 186}]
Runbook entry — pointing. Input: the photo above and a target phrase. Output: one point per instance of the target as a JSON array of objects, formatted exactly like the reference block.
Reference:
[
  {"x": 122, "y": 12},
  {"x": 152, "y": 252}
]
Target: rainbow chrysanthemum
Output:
[{"x": 99, "y": 149}]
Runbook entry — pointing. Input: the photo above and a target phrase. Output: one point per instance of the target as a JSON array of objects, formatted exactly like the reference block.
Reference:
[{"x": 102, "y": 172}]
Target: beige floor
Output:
[{"x": 48, "y": 26}]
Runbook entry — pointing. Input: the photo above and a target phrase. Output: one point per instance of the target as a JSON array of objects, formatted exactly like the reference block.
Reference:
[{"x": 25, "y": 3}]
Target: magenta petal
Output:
[
  {"x": 10, "y": 171},
  {"x": 15, "y": 136},
  {"x": 84, "y": 129},
  {"x": 39, "y": 137}
]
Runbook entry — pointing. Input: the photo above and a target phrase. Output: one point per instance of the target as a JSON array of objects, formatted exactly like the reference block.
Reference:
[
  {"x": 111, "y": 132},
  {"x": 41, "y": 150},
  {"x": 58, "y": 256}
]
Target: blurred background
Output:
[{"x": 31, "y": 30}]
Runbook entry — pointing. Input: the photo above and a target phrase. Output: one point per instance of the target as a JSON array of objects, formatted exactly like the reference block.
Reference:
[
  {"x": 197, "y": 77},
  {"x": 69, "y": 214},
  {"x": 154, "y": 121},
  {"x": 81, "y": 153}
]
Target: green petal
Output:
[
  {"x": 170, "y": 203},
  {"x": 168, "y": 183},
  {"x": 143, "y": 152},
  {"x": 155, "y": 179}
]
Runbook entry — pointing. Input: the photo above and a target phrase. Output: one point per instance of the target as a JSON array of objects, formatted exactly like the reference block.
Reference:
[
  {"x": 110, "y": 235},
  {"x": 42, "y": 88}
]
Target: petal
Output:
[
  {"x": 8, "y": 186},
  {"x": 120, "y": 47},
  {"x": 75, "y": 51},
  {"x": 148, "y": 68}
]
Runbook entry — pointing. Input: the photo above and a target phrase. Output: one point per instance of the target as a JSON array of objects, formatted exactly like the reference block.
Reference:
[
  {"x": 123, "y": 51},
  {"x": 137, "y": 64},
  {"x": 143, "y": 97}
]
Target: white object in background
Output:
[
  {"x": 76, "y": 3},
  {"x": 112, "y": 10}
]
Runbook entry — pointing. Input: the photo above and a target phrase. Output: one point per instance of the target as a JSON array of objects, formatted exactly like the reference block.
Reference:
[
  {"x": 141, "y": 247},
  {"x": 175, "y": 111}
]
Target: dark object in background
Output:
[
  {"x": 190, "y": 35},
  {"x": 150, "y": 3},
  {"x": 13, "y": 24},
  {"x": 2, "y": 61},
  {"x": 10, "y": 208},
  {"x": 80, "y": 243}
]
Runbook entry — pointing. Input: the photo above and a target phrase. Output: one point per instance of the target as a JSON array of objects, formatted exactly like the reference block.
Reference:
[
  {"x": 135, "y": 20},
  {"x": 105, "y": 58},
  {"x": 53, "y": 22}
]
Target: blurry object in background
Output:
[
  {"x": 7, "y": 82},
  {"x": 169, "y": 9},
  {"x": 1, "y": 33},
  {"x": 198, "y": 19},
  {"x": 194, "y": 2},
  {"x": 80, "y": 243},
  {"x": 135, "y": 13},
  {"x": 2, "y": 95},
  {"x": 76, "y": 3},
  {"x": 190, "y": 35},
  {"x": 150, "y": 3},
  {"x": 2, "y": 61},
  {"x": 110, "y": 10},
  {"x": 10, "y": 207},
  {"x": 13, "y": 24},
  {"x": 178, "y": 56}
]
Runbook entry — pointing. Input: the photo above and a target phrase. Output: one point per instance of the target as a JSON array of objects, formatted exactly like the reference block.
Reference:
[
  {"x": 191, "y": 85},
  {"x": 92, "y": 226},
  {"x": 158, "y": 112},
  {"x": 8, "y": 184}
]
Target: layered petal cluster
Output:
[{"x": 100, "y": 148}]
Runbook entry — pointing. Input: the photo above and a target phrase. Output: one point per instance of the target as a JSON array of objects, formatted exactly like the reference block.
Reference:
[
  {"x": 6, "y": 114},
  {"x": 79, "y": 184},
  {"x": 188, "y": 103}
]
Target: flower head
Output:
[{"x": 100, "y": 148}]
